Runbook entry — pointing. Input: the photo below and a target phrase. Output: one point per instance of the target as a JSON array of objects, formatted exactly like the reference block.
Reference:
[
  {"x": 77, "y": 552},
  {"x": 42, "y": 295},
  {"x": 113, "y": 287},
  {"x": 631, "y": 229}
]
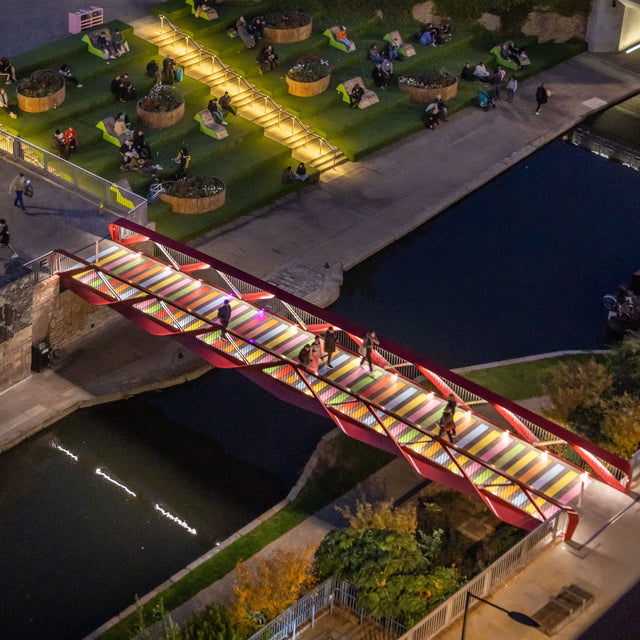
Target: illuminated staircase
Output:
[{"x": 279, "y": 125}]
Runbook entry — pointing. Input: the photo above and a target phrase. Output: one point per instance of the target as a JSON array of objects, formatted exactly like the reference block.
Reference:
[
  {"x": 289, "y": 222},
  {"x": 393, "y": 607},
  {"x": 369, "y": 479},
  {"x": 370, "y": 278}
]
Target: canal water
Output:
[{"x": 110, "y": 502}]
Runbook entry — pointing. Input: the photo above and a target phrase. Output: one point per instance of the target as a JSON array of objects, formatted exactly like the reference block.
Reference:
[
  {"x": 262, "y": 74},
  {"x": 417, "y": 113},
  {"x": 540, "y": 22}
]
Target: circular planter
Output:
[
  {"x": 288, "y": 34},
  {"x": 196, "y": 205},
  {"x": 160, "y": 119},
  {"x": 426, "y": 96},
  {"x": 45, "y": 103},
  {"x": 308, "y": 89}
]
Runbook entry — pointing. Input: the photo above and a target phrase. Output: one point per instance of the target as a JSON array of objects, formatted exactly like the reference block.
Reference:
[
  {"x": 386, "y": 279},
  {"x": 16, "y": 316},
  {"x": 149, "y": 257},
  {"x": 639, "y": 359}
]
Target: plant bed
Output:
[
  {"x": 310, "y": 76},
  {"x": 423, "y": 88},
  {"x": 288, "y": 27},
  {"x": 162, "y": 107},
  {"x": 42, "y": 91},
  {"x": 195, "y": 195}
]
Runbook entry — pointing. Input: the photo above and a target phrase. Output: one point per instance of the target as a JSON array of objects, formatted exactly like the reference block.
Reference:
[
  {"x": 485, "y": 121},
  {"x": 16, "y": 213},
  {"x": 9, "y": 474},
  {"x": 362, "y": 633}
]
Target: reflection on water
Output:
[
  {"x": 517, "y": 268},
  {"x": 112, "y": 501}
]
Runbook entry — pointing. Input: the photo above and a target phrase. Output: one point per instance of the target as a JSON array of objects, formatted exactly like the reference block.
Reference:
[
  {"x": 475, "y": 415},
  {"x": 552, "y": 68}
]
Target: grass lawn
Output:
[
  {"x": 525, "y": 379},
  {"x": 248, "y": 162},
  {"x": 353, "y": 463}
]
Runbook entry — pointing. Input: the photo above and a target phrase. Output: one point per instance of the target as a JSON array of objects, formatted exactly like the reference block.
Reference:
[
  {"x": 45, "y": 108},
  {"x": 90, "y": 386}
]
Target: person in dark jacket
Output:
[
  {"x": 369, "y": 344},
  {"x": 329, "y": 345},
  {"x": 378, "y": 77},
  {"x": 356, "y": 95},
  {"x": 447, "y": 422},
  {"x": 224, "y": 315},
  {"x": 542, "y": 97},
  {"x": 304, "y": 357}
]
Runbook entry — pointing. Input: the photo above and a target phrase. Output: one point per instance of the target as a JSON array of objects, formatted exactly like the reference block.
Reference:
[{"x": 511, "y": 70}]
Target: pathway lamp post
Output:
[{"x": 514, "y": 615}]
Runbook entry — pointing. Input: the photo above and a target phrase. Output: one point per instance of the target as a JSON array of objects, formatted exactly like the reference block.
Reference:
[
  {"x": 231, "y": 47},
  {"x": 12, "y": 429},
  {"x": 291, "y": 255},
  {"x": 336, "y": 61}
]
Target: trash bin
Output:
[{"x": 39, "y": 356}]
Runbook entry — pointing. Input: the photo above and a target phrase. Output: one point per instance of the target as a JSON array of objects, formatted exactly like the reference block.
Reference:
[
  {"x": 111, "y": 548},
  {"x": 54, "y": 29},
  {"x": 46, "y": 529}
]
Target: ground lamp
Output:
[{"x": 514, "y": 615}]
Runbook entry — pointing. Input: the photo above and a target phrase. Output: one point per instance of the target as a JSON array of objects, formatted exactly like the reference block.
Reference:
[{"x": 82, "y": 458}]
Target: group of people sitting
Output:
[
  {"x": 288, "y": 175},
  {"x": 111, "y": 46},
  {"x": 250, "y": 31},
  {"x": 122, "y": 88},
  {"x": 217, "y": 107},
  {"x": 65, "y": 142},
  {"x": 509, "y": 51},
  {"x": 135, "y": 152},
  {"x": 434, "y": 36}
]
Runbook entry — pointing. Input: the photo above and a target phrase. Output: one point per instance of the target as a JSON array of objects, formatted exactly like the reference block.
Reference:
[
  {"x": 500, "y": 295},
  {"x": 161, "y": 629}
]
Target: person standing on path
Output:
[
  {"x": 512, "y": 87},
  {"x": 316, "y": 354},
  {"x": 447, "y": 422},
  {"x": 18, "y": 185},
  {"x": 5, "y": 238},
  {"x": 329, "y": 344},
  {"x": 542, "y": 97},
  {"x": 224, "y": 315},
  {"x": 369, "y": 344}
]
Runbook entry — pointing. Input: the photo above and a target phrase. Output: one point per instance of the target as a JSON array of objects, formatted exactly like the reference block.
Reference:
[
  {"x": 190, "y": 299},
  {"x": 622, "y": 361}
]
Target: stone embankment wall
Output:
[
  {"x": 31, "y": 313},
  {"x": 546, "y": 25}
]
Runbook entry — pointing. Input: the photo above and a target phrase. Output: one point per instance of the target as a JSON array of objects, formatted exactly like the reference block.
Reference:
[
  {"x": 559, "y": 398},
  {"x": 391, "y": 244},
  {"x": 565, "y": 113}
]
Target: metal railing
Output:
[
  {"x": 492, "y": 577},
  {"x": 322, "y": 597},
  {"x": 125, "y": 202},
  {"x": 201, "y": 54}
]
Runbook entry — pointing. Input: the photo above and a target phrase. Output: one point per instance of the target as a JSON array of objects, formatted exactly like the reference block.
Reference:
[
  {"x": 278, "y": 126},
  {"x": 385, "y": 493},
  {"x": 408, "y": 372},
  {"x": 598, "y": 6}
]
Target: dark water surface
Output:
[
  {"x": 517, "y": 268},
  {"x": 75, "y": 548}
]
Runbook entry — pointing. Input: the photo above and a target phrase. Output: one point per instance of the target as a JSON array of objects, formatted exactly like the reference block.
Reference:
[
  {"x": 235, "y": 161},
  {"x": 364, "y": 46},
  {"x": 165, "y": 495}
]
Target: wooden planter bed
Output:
[
  {"x": 45, "y": 103},
  {"x": 295, "y": 34},
  {"x": 426, "y": 96},
  {"x": 160, "y": 119},
  {"x": 308, "y": 89},
  {"x": 196, "y": 205}
]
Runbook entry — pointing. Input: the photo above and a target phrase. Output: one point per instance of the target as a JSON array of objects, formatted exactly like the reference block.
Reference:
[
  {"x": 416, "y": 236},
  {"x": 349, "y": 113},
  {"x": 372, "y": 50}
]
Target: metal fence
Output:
[
  {"x": 124, "y": 202},
  {"x": 492, "y": 577},
  {"x": 325, "y": 596}
]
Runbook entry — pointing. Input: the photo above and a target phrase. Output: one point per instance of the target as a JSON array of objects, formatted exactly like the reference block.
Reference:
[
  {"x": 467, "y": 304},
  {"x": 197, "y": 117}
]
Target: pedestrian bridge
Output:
[{"x": 522, "y": 466}]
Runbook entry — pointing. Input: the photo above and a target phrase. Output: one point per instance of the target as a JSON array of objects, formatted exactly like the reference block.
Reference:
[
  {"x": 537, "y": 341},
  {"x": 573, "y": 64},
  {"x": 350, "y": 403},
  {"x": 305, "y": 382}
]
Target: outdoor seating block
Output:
[
  {"x": 209, "y": 14},
  {"x": 108, "y": 134},
  {"x": 209, "y": 126},
  {"x": 404, "y": 48},
  {"x": 505, "y": 62},
  {"x": 92, "y": 38},
  {"x": 369, "y": 97},
  {"x": 331, "y": 34}
]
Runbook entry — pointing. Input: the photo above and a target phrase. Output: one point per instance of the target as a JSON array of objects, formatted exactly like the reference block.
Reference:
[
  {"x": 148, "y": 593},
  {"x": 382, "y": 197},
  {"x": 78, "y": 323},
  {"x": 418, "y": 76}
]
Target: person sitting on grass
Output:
[
  {"x": 374, "y": 54},
  {"x": 480, "y": 72},
  {"x": 59, "y": 143},
  {"x": 141, "y": 146},
  {"x": 65, "y": 72},
  {"x": 103, "y": 43},
  {"x": 432, "y": 116},
  {"x": 7, "y": 69},
  {"x": 301, "y": 172},
  {"x": 356, "y": 95},
  {"x": 71, "y": 139},
  {"x": 130, "y": 157},
  {"x": 378, "y": 77},
  {"x": 288, "y": 176},
  {"x": 117, "y": 43},
  {"x": 267, "y": 59},
  {"x": 467, "y": 73},
  {"x": 215, "y": 111},
  {"x": 4, "y": 103},
  {"x": 225, "y": 103},
  {"x": 393, "y": 52}
]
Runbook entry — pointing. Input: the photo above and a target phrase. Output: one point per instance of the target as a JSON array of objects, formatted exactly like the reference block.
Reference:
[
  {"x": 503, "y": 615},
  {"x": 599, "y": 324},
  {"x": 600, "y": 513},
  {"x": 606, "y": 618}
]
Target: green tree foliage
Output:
[
  {"x": 214, "y": 623},
  {"x": 601, "y": 400},
  {"x": 395, "y": 573},
  {"x": 624, "y": 365},
  {"x": 381, "y": 516}
]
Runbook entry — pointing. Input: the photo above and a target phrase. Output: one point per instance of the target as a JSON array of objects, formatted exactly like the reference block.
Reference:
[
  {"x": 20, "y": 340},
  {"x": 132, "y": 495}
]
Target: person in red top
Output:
[{"x": 71, "y": 139}]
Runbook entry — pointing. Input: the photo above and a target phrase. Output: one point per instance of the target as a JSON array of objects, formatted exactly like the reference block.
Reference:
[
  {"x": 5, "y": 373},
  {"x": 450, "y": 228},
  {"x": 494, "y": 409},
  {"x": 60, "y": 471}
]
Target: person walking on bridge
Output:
[
  {"x": 224, "y": 315},
  {"x": 18, "y": 184},
  {"x": 329, "y": 344},
  {"x": 447, "y": 422},
  {"x": 367, "y": 347}
]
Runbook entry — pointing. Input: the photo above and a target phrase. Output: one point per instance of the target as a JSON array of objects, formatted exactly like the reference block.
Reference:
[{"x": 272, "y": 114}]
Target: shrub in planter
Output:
[
  {"x": 42, "y": 90},
  {"x": 424, "y": 87},
  {"x": 194, "y": 187},
  {"x": 162, "y": 107},
  {"x": 291, "y": 26},
  {"x": 309, "y": 76}
]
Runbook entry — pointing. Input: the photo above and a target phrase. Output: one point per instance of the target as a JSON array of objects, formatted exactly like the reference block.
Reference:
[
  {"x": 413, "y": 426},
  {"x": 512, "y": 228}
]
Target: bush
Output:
[
  {"x": 428, "y": 79},
  {"x": 309, "y": 69},
  {"x": 195, "y": 187},
  {"x": 214, "y": 623},
  {"x": 162, "y": 97}
]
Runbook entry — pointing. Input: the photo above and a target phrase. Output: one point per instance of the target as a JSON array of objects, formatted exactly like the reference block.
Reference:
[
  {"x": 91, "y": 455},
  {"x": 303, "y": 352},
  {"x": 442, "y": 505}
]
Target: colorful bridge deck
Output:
[{"x": 522, "y": 481}]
